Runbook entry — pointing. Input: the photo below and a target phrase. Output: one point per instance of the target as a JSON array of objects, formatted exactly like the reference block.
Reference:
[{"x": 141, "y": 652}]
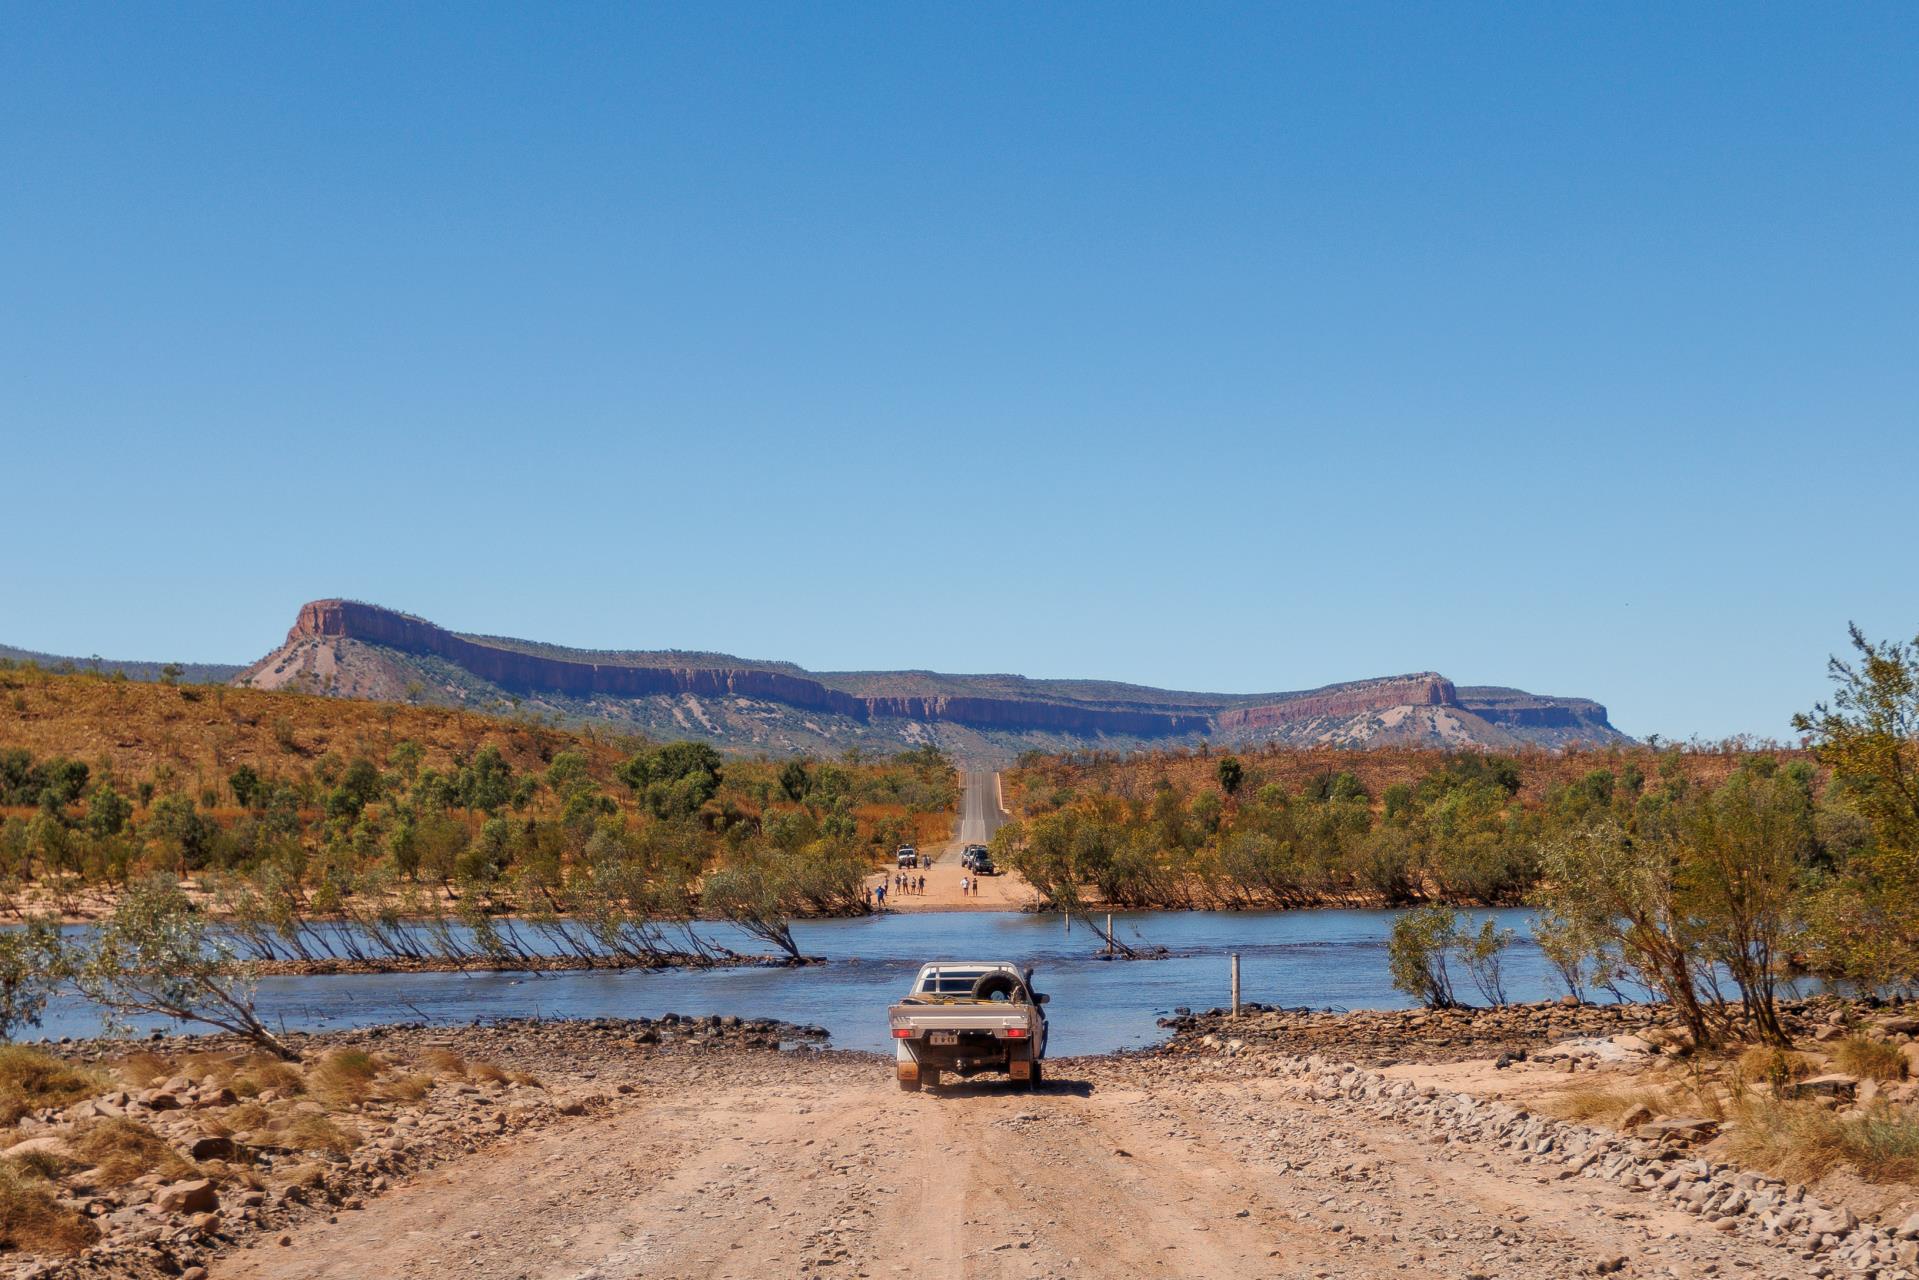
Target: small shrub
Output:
[
  {"x": 1870, "y": 1059},
  {"x": 486, "y": 1073},
  {"x": 32, "y": 1221},
  {"x": 30, "y": 1080}
]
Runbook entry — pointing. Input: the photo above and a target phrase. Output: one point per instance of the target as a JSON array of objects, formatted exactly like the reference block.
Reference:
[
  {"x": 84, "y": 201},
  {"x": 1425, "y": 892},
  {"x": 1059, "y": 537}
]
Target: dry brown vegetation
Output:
[
  {"x": 1296, "y": 769},
  {"x": 1870, "y": 1058},
  {"x": 30, "y": 1080},
  {"x": 120, "y": 1150},
  {"x": 32, "y": 1220},
  {"x": 1802, "y": 1141},
  {"x": 303, "y": 1107},
  {"x": 202, "y": 733}
]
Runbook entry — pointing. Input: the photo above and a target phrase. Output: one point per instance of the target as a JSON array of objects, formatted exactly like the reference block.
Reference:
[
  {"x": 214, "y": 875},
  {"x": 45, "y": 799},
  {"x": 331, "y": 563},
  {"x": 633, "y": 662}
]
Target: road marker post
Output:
[{"x": 1235, "y": 984}]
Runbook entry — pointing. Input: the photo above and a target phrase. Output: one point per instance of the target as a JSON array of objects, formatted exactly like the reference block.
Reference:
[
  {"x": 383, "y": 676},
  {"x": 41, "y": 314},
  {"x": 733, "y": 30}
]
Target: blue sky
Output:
[{"x": 1570, "y": 347}]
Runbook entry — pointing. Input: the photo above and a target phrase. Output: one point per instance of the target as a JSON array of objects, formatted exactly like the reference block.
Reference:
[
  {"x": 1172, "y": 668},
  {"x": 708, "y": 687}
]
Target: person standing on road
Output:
[{"x": 962, "y": 886}]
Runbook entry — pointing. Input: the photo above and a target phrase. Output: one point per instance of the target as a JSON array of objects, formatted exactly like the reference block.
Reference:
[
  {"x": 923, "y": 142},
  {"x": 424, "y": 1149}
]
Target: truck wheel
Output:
[
  {"x": 1033, "y": 1077},
  {"x": 930, "y": 1077}
]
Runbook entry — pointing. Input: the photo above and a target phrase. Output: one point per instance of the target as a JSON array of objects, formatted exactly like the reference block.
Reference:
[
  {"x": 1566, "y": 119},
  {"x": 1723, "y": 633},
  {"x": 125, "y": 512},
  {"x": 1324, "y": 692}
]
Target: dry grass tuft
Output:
[
  {"x": 32, "y": 1221},
  {"x": 30, "y": 1080},
  {"x": 1803, "y": 1141},
  {"x": 1607, "y": 1105},
  {"x": 486, "y": 1073},
  {"x": 1870, "y": 1058},
  {"x": 1767, "y": 1065},
  {"x": 345, "y": 1076},
  {"x": 123, "y": 1150},
  {"x": 308, "y": 1132},
  {"x": 143, "y": 1069},
  {"x": 443, "y": 1062},
  {"x": 261, "y": 1074},
  {"x": 407, "y": 1088}
]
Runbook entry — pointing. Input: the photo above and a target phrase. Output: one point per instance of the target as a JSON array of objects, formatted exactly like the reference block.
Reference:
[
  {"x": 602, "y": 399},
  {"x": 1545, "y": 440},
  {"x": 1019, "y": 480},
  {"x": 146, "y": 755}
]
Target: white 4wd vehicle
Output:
[{"x": 967, "y": 1017}]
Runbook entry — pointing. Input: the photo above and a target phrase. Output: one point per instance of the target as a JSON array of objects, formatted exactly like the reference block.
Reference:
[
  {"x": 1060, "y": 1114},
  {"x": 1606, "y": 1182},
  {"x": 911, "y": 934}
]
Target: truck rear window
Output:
[{"x": 950, "y": 982}]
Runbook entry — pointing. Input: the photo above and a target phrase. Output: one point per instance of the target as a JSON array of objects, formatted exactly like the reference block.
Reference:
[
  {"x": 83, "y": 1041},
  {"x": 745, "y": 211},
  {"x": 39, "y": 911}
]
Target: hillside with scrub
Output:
[{"x": 278, "y": 809}]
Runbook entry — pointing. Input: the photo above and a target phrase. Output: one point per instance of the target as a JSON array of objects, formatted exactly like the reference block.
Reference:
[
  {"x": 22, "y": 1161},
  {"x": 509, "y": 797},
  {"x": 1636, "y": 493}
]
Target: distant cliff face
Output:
[
  {"x": 512, "y": 669},
  {"x": 1359, "y": 698},
  {"x": 361, "y": 650}
]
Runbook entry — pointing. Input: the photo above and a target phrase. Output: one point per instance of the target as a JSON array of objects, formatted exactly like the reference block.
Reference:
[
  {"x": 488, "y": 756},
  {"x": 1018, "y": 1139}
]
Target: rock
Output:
[
  {"x": 1634, "y": 1116},
  {"x": 41, "y": 1144},
  {"x": 1831, "y": 1085},
  {"x": 1832, "y": 1222},
  {"x": 1632, "y": 1043},
  {"x": 1909, "y": 1229},
  {"x": 213, "y": 1147},
  {"x": 196, "y": 1195},
  {"x": 1677, "y": 1129}
]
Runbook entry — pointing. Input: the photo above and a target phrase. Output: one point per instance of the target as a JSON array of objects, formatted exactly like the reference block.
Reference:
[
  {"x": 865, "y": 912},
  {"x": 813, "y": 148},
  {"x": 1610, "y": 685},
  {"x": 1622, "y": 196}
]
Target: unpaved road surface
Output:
[
  {"x": 757, "y": 1166},
  {"x": 979, "y": 818}
]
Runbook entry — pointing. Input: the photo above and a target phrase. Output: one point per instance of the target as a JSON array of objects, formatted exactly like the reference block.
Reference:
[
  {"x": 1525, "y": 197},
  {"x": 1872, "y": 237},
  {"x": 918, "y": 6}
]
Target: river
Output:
[{"x": 1315, "y": 958}]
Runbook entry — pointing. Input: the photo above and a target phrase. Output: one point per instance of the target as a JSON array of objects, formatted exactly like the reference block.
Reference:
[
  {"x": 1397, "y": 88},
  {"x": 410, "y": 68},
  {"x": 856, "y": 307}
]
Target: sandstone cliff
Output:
[{"x": 353, "y": 649}]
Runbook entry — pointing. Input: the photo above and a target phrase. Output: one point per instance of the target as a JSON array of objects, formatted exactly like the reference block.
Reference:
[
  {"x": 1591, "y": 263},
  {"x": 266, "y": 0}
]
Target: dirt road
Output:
[
  {"x": 755, "y": 1166},
  {"x": 979, "y": 818}
]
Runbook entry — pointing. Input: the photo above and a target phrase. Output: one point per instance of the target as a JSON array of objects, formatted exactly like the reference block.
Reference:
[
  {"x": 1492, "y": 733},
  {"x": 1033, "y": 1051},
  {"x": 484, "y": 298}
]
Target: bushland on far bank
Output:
[{"x": 283, "y": 810}]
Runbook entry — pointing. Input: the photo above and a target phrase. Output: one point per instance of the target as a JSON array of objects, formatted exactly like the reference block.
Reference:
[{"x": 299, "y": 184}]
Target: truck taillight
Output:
[
  {"x": 902, "y": 1033},
  {"x": 1016, "y": 1033}
]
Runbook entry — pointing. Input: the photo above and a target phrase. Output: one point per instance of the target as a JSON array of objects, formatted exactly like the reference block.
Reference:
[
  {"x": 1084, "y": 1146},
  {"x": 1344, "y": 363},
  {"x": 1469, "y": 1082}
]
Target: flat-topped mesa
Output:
[
  {"x": 1517, "y": 708},
  {"x": 1425, "y": 689},
  {"x": 578, "y": 677}
]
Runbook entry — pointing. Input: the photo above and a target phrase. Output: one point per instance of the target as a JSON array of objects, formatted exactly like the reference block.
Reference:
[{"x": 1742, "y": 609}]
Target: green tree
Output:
[
  {"x": 486, "y": 783},
  {"x": 1231, "y": 774},
  {"x": 1416, "y": 955},
  {"x": 1867, "y": 923},
  {"x": 246, "y": 785},
  {"x": 107, "y": 811},
  {"x": 29, "y": 972},
  {"x": 795, "y": 782},
  {"x": 157, "y": 956}
]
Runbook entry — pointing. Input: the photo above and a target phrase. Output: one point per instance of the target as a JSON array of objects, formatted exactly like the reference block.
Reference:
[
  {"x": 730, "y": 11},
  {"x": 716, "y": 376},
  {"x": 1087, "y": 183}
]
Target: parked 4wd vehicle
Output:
[
  {"x": 907, "y": 856},
  {"x": 973, "y": 855},
  {"x": 967, "y": 1017}
]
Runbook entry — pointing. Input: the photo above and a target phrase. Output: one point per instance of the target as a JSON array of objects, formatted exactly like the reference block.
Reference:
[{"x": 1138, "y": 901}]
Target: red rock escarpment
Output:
[
  {"x": 1425, "y": 690},
  {"x": 513, "y": 669}
]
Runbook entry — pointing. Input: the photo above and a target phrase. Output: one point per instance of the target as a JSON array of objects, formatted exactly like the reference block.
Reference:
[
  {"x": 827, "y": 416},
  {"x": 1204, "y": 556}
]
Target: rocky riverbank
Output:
[
  {"x": 1381, "y": 1037},
  {"x": 171, "y": 1158},
  {"x": 1659, "y": 1163}
]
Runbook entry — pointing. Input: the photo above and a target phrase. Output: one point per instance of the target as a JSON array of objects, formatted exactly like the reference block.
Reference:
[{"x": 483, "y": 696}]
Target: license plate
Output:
[{"x": 944, "y": 1037}]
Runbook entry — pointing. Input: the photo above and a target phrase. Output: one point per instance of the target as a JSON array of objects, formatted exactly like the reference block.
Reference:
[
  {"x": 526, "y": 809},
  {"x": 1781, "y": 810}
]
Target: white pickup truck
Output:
[{"x": 967, "y": 1017}]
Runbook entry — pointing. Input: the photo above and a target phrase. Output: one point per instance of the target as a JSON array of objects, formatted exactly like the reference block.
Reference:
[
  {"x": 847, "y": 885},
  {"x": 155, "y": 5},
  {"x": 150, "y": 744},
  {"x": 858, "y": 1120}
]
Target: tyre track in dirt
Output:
[{"x": 817, "y": 1165}]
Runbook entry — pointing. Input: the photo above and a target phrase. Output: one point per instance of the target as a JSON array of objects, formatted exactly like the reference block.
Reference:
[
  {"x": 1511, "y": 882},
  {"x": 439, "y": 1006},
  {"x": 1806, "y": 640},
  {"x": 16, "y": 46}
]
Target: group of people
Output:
[
  {"x": 901, "y": 882},
  {"x": 898, "y": 883}
]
